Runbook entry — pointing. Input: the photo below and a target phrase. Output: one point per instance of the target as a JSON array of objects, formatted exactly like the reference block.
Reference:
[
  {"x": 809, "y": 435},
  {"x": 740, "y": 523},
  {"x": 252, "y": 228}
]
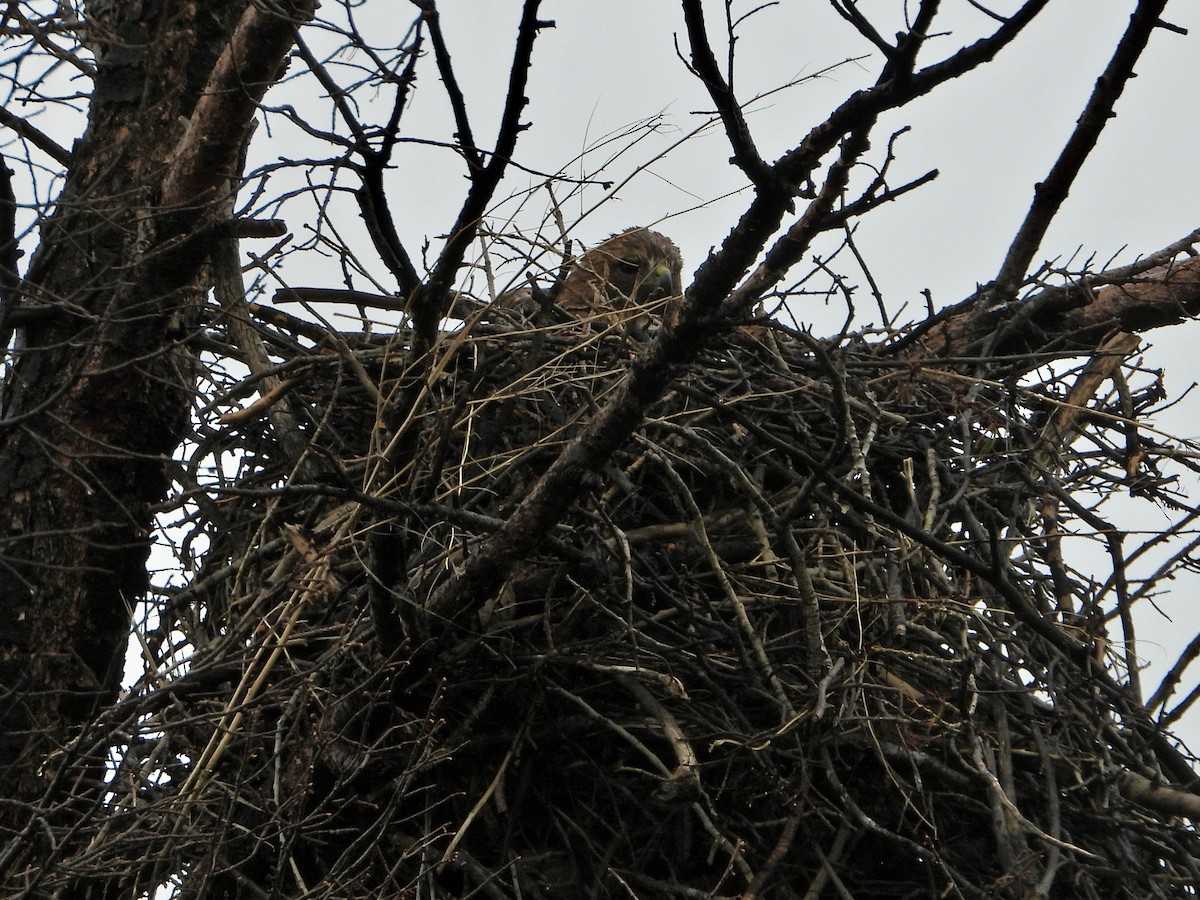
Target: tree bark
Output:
[
  {"x": 1071, "y": 319},
  {"x": 99, "y": 392}
]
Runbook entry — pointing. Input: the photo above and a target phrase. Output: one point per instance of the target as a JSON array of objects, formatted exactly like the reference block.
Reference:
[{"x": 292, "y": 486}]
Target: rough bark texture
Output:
[
  {"x": 100, "y": 388},
  {"x": 1061, "y": 320}
]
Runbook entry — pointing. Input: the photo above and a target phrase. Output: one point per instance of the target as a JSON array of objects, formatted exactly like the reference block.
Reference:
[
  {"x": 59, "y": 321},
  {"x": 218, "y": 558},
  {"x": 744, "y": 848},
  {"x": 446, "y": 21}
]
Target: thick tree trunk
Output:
[{"x": 99, "y": 391}]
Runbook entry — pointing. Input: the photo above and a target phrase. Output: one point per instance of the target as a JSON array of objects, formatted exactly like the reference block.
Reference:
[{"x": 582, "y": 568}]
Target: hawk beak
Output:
[{"x": 658, "y": 284}]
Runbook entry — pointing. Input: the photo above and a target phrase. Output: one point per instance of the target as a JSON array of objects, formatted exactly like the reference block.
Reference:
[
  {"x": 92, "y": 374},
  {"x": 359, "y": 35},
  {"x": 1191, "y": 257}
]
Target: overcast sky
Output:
[{"x": 992, "y": 133}]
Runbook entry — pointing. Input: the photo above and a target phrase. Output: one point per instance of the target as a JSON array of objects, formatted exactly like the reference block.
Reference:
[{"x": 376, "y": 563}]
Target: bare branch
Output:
[
  {"x": 372, "y": 198},
  {"x": 1064, "y": 319},
  {"x": 849, "y": 11},
  {"x": 35, "y": 137},
  {"x": 718, "y": 275},
  {"x": 704, "y": 64},
  {"x": 790, "y": 248},
  {"x": 381, "y": 226},
  {"x": 869, "y": 201},
  {"x": 893, "y": 92},
  {"x": 1050, "y": 194},
  {"x": 458, "y": 103},
  {"x": 209, "y": 148},
  {"x": 431, "y": 307},
  {"x": 1162, "y": 797},
  {"x": 335, "y": 93}
]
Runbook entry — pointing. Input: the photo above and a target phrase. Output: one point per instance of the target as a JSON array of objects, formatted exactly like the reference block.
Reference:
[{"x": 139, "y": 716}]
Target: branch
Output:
[
  {"x": 849, "y": 11},
  {"x": 1171, "y": 680},
  {"x": 336, "y": 94},
  {"x": 230, "y": 293},
  {"x": 901, "y": 62},
  {"x": 1071, "y": 318},
  {"x": 381, "y": 226},
  {"x": 338, "y": 295},
  {"x": 1050, "y": 194},
  {"x": 27, "y": 132},
  {"x": 460, "y": 308},
  {"x": 894, "y": 92},
  {"x": 877, "y": 192},
  {"x": 719, "y": 274},
  {"x": 372, "y": 198},
  {"x": 458, "y": 104},
  {"x": 1161, "y": 798},
  {"x": 257, "y": 228},
  {"x": 704, "y": 65},
  {"x": 869, "y": 200},
  {"x": 431, "y": 308},
  {"x": 790, "y": 249},
  {"x": 209, "y": 147}
]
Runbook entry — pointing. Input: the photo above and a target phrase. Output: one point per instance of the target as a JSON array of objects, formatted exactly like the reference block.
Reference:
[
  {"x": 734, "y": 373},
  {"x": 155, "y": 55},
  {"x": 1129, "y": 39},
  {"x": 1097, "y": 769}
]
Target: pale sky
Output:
[{"x": 992, "y": 133}]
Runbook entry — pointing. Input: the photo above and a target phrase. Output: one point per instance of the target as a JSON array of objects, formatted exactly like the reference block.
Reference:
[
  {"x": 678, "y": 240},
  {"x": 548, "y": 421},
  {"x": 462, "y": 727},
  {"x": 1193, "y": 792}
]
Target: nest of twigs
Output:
[{"x": 808, "y": 634}]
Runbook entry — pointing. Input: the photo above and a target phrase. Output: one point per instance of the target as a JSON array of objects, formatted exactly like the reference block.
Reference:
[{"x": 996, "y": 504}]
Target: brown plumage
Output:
[{"x": 623, "y": 280}]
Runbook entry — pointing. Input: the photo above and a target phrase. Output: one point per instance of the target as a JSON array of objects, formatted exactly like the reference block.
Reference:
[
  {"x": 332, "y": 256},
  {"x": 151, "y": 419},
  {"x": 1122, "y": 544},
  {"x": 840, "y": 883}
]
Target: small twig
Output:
[
  {"x": 870, "y": 201},
  {"x": 684, "y": 781},
  {"x": 493, "y": 785}
]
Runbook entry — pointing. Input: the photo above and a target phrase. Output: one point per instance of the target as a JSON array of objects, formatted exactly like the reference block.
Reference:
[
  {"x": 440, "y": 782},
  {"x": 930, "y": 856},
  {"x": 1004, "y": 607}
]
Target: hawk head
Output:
[{"x": 623, "y": 278}]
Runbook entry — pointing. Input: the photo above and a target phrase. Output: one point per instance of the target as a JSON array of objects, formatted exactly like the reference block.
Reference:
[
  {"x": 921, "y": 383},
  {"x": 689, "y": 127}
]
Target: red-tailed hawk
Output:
[{"x": 625, "y": 281}]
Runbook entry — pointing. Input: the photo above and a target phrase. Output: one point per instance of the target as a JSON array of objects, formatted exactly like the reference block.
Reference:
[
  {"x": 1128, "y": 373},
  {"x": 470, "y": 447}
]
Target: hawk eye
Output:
[{"x": 626, "y": 266}]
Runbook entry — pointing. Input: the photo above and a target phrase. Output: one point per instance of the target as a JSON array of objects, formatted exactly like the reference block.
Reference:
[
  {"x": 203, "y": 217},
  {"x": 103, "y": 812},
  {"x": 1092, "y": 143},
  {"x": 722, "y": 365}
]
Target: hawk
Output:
[{"x": 622, "y": 282}]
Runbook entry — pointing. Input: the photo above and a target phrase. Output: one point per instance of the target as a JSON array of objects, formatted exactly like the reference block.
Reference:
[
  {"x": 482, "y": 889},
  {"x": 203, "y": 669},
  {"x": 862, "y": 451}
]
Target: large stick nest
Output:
[{"x": 810, "y": 633}]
